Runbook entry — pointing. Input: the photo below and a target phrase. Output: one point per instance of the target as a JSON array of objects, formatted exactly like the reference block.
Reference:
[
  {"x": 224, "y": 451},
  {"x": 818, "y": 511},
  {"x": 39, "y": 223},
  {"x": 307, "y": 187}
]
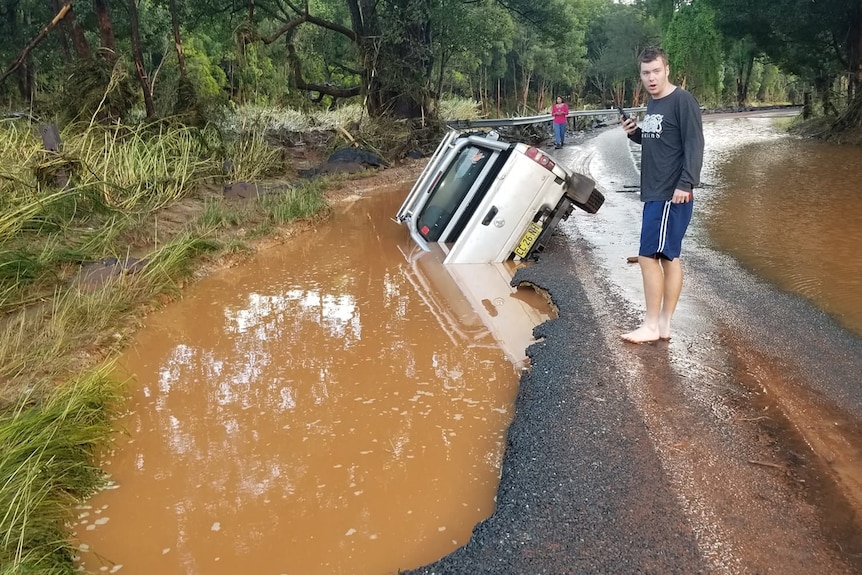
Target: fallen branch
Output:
[
  {"x": 347, "y": 135},
  {"x": 41, "y": 36}
]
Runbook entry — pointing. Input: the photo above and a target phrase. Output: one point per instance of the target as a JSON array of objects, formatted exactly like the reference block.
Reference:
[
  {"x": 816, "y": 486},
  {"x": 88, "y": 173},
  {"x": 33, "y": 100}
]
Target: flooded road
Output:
[
  {"x": 333, "y": 406},
  {"x": 323, "y": 410},
  {"x": 789, "y": 210},
  {"x": 766, "y": 352}
]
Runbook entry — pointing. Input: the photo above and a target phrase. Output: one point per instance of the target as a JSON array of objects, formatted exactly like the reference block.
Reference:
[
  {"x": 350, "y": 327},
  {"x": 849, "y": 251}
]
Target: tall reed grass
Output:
[
  {"x": 41, "y": 341},
  {"x": 145, "y": 167},
  {"x": 288, "y": 120},
  {"x": 47, "y": 445},
  {"x": 249, "y": 157}
]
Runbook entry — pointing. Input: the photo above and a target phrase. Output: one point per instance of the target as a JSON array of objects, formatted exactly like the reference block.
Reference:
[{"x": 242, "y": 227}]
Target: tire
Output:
[
  {"x": 579, "y": 187},
  {"x": 593, "y": 204}
]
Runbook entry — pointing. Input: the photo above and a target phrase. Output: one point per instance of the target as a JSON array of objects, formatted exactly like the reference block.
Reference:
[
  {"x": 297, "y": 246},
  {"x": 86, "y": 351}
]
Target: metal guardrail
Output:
[{"x": 526, "y": 120}]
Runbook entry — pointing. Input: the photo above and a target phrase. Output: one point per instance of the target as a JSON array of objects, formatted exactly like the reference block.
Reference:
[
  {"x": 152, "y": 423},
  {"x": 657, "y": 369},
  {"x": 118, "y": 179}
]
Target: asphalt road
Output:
[{"x": 734, "y": 448}]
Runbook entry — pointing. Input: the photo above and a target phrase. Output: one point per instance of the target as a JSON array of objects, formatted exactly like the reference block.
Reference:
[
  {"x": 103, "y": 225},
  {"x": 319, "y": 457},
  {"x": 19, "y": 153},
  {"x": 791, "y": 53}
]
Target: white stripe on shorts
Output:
[{"x": 662, "y": 231}]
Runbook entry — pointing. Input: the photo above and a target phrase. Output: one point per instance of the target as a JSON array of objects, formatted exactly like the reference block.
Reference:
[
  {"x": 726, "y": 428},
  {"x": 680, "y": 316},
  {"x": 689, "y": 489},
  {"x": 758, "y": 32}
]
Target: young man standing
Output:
[{"x": 671, "y": 138}]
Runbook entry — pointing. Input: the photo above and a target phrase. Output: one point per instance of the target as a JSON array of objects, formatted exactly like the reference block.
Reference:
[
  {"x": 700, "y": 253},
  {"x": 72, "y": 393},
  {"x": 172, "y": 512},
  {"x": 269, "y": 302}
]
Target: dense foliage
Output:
[{"x": 107, "y": 59}]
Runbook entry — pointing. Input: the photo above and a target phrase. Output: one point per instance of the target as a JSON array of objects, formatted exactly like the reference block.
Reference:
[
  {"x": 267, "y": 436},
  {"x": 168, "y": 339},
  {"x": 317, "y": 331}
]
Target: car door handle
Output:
[{"x": 490, "y": 216}]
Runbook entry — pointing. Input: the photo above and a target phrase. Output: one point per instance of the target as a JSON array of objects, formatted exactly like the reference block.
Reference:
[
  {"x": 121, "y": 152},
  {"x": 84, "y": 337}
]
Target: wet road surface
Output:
[{"x": 734, "y": 448}]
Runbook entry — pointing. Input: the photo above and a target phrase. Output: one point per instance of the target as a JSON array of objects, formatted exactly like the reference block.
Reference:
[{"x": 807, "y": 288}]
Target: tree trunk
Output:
[
  {"x": 619, "y": 91},
  {"x": 526, "y": 79},
  {"x": 823, "y": 87},
  {"x": 498, "y": 97},
  {"x": 175, "y": 22},
  {"x": 854, "y": 52},
  {"x": 399, "y": 71},
  {"x": 76, "y": 33},
  {"x": 61, "y": 34},
  {"x": 26, "y": 76},
  {"x": 544, "y": 88},
  {"x": 139, "y": 60},
  {"x": 438, "y": 93},
  {"x": 743, "y": 80},
  {"x": 106, "y": 29},
  {"x": 851, "y": 116}
]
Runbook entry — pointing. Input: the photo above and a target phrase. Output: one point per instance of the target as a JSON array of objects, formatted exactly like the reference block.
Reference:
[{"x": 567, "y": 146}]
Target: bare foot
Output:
[
  {"x": 643, "y": 334},
  {"x": 664, "y": 329}
]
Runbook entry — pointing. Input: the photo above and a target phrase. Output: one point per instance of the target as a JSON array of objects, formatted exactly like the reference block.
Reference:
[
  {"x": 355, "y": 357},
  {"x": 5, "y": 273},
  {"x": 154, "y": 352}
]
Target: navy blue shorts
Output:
[{"x": 662, "y": 228}]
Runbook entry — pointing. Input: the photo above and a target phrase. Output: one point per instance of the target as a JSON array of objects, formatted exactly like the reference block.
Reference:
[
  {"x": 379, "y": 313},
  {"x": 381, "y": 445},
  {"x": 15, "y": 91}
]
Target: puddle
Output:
[{"x": 337, "y": 405}]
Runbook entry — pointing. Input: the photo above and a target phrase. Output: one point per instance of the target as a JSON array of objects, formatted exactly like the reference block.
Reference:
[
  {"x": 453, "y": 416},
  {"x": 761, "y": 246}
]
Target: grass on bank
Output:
[
  {"x": 111, "y": 192},
  {"x": 49, "y": 446}
]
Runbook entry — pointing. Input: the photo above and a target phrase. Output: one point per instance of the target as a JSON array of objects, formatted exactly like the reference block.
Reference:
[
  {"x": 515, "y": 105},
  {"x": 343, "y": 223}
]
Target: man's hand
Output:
[
  {"x": 680, "y": 197},
  {"x": 629, "y": 125}
]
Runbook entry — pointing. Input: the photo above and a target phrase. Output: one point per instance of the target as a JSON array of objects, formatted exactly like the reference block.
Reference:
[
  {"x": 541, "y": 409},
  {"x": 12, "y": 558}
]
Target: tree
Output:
[
  {"x": 466, "y": 33},
  {"x": 64, "y": 10},
  {"x": 818, "y": 41},
  {"x": 139, "y": 60},
  {"x": 694, "y": 49},
  {"x": 106, "y": 28},
  {"x": 616, "y": 38},
  {"x": 178, "y": 43},
  {"x": 394, "y": 43}
]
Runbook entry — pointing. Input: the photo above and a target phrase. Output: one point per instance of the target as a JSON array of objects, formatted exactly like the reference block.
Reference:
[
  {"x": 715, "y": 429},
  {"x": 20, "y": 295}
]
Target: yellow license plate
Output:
[{"x": 528, "y": 239}]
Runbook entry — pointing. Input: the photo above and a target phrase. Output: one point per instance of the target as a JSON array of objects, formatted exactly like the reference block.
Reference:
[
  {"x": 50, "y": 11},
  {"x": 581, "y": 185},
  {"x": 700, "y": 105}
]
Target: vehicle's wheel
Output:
[
  {"x": 593, "y": 204},
  {"x": 579, "y": 187}
]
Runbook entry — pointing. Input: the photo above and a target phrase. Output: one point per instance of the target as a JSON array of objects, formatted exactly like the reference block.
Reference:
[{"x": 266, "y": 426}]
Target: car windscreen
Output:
[{"x": 450, "y": 191}]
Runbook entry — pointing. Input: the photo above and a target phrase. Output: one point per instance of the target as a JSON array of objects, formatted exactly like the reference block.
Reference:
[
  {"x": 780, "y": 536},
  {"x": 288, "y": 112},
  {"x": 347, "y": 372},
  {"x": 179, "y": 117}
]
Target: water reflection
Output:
[{"x": 308, "y": 413}]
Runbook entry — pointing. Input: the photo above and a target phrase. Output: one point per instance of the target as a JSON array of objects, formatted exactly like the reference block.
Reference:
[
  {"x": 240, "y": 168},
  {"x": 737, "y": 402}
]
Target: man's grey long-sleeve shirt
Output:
[{"x": 671, "y": 136}]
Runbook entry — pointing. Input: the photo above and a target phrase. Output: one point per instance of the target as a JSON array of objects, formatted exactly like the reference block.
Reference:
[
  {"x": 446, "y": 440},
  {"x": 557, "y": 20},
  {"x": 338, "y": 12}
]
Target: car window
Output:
[{"x": 450, "y": 191}]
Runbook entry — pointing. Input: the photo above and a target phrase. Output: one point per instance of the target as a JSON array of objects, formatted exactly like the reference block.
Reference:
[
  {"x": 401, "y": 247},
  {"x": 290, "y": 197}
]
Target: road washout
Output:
[{"x": 683, "y": 457}]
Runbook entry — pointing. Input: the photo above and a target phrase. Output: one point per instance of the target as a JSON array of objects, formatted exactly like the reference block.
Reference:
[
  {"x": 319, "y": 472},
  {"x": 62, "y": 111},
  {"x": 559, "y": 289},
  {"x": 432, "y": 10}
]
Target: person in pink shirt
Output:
[{"x": 560, "y": 112}]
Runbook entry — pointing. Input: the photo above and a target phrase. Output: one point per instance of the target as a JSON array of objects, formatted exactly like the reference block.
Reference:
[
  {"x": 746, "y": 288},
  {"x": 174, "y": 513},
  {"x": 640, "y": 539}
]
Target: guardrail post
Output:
[
  {"x": 52, "y": 142},
  {"x": 50, "y": 137}
]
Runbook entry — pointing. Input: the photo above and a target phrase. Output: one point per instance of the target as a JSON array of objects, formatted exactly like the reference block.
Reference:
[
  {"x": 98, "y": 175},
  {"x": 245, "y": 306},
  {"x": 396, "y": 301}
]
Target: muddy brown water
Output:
[
  {"x": 334, "y": 406},
  {"x": 339, "y": 405},
  {"x": 789, "y": 210}
]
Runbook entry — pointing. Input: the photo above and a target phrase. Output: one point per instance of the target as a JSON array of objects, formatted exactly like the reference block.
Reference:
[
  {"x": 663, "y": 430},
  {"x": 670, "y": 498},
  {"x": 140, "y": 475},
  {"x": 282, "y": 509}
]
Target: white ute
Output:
[{"x": 483, "y": 200}]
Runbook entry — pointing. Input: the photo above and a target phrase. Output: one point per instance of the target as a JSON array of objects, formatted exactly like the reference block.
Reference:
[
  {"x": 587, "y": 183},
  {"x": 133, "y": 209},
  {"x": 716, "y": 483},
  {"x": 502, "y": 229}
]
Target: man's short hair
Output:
[{"x": 651, "y": 54}]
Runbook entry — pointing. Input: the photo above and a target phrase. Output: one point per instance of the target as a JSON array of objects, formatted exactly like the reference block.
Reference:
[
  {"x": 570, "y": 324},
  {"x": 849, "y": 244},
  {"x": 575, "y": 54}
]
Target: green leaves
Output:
[{"x": 694, "y": 47}]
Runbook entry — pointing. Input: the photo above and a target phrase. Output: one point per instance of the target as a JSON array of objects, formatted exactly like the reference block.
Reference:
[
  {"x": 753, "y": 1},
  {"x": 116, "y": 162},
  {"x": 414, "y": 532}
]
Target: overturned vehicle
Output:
[{"x": 484, "y": 200}]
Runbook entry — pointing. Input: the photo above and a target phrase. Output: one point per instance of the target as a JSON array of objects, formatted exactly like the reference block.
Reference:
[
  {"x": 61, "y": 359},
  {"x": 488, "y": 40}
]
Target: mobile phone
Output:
[{"x": 623, "y": 113}]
